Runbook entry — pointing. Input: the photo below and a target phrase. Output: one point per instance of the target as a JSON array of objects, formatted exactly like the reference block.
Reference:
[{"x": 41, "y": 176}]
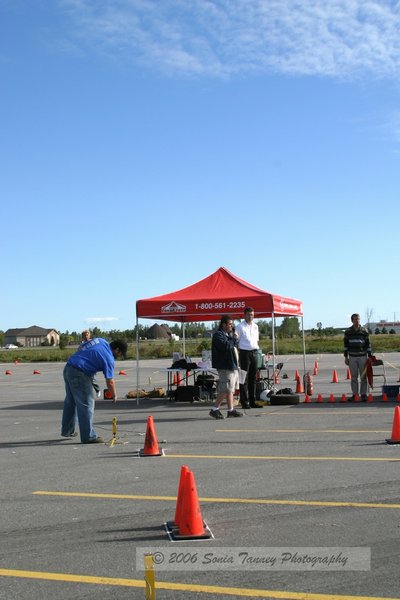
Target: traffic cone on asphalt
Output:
[
  {"x": 331, "y": 398},
  {"x": 151, "y": 447},
  {"x": 384, "y": 398},
  {"x": 178, "y": 379},
  {"x": 35, "y": 372},
  {"x": 356, "y": 398},
  {"x": 315, "y": 372},
  {"x": 319, "y": 398},
  {"x": 370, "y": 398},
  {"x": 307, "y": 399},
  {"x": 395, "y": 439},
  {"x": 174, "y": 381},
  {"x": 296, "y": 376},
  {"x": 348, "y": 376},
  {"x": 299, "y": 387},
  {"x": 8, "y": 372},
  {"x": 179, "y": 499},
  {"x": 335, "y": 377},
  {"x": 344, "y": 398},
  {"x": 191, "y": 524},
  {"x": 122, "y": 373}
]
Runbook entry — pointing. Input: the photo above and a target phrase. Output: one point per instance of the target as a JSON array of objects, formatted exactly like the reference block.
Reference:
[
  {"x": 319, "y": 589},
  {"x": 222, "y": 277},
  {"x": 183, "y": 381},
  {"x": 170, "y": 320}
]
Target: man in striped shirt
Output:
[{"x": 357, "y": 349}]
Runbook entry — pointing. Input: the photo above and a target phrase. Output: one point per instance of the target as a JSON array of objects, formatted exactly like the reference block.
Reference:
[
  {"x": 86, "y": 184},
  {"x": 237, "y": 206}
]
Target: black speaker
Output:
[{"x": 187, "y": 393}]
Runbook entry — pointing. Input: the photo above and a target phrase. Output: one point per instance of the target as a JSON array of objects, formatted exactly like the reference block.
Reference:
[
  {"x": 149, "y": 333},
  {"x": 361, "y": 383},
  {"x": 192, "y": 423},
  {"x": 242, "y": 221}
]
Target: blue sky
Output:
[{"x": 144, "y": 144}]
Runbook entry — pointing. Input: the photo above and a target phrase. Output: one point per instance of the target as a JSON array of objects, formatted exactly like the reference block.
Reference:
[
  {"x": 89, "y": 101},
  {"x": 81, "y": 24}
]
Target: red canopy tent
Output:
[{"x": 220, "y": 293}]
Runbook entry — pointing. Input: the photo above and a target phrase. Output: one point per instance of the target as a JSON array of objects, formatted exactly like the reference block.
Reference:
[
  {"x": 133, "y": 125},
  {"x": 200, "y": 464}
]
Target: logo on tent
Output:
[{"x": 173, "y": 307}]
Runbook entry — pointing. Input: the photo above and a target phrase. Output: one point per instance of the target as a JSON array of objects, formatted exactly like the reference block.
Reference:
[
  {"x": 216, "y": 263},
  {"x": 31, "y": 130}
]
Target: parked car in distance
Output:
[{"x": 10, "y": 347}]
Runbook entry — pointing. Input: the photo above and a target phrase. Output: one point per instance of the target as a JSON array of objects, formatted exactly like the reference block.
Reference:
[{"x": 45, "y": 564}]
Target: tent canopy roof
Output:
[{"x": 219, "y": 293}]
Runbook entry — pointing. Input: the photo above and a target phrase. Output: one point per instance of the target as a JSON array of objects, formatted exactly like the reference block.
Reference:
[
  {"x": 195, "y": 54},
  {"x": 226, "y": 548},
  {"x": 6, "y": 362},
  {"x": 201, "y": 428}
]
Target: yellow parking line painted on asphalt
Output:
[
  {"x": 221, "y": 500},
  {"x": 305, "y": 430},
  {"x": 183, "y": 587},
  {"x": 233, "y": 457}
]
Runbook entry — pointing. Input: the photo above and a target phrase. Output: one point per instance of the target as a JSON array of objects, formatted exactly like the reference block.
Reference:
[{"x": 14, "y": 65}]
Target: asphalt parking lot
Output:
[{"x": 283, "y": 483}]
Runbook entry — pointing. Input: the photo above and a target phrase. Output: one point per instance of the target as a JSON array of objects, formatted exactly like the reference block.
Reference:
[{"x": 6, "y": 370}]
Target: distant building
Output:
[
  {"x": 31, "y": 337},
  {"x": 388, "y": 325}
]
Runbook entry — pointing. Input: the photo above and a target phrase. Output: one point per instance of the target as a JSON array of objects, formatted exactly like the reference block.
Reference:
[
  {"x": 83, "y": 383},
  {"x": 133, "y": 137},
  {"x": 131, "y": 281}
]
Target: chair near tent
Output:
[{"x": 374, "y": 368}]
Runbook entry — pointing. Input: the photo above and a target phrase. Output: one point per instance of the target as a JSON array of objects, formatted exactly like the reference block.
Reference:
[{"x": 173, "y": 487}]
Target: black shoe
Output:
[
  {"x": 96, "y": 440},
  {"x": 216, "y": 414},
  {"x": 363, "y": 397},
  {"x": 246, "y": 406},
  {"x": 69, "y": 435},
  {"x": 351, "y": 399},
  {"x": 234, "y": 413}
]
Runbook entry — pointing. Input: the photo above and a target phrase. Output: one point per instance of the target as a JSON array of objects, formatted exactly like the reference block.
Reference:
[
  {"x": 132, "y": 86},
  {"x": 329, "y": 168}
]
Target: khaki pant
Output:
[{"x": 357, "y": 366}]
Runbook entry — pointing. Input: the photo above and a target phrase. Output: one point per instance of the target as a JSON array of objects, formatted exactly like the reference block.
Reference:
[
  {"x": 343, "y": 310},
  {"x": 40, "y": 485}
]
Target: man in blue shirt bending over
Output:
[{"x": 92, "y": 356}]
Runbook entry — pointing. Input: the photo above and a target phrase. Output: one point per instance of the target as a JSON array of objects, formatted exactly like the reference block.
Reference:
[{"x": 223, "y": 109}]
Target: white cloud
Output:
[{"x": 335, "y": 38}]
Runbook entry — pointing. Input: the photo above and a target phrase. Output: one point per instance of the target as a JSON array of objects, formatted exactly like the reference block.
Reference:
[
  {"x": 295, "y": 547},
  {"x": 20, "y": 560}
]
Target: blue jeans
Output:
[{"x": 78, "y": 403}]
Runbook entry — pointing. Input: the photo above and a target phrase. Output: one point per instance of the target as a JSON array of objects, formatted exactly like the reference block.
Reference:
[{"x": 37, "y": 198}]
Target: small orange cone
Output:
[
  {"x": 296, "y": 376},
  {"x": 35, "y": 372},
  {"x": 370, "y": 398},
  {"x": 335, "y": 377},
  {"x": 191, "y": 525},
  {"x": 315, "y": 372},
  {"x": 343, "y": 398},
  {"x": 150, "y": 441},
  {"x": 395, "y": 439},
  {"x": 8, "y": 372},
  {"x": 179, "y": 498},
  {"x": 299, "y": 387},
  {"x": 331, "y": 398},
  {"x": 178, "y": 379},
  {"x": 348, "y": 376},
  {"x": 384, "y": 398},
  {"x": 319, "y": 398},
  {"x": 307, "y": 398},
  {"x": 356, "y": 398},
  {"x": 122, "y": 373}
]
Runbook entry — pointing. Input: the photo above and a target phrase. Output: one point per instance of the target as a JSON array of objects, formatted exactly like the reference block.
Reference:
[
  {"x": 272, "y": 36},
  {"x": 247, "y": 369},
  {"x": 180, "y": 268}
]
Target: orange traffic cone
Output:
[
  {"x": 276, "y": 378},
  {"x": 335, "y": 377},
  {"x": 307, "y": 398},
  {"x": 331, "y": 398},
  {"x": 370, "y": 398},
  {"x": 191, "y": 524},
  {"x": 296, "y": 376},
  {"x": 8, "y": 373},
  {"x": 356, "y": 398},
  {"x": 179, "y": 501},
  {"x": 398, "y": 398},
  {"x": 299, "y": 387},
  {"x": 122, "y": 373},
  {"x": 35, "y": 372},
  {"x": 178, "y": 379},
  {"x": 151, "y": 447},
  {"x": 348, "y": 376},
  {"x": 343, "y": 398},
  {"x": 315, "y": 372},
  {"x": 319, "y": 398},
  {"x": 384, "y": 398},
  {"x": 395, "y": 439},
  {"x": 174, "y": 382}
]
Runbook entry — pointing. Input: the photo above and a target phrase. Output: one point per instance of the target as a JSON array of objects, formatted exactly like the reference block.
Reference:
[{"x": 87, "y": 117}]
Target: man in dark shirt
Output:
[
  {"x": 225, "y": 359},
  {"x": 357, "y": 349}
]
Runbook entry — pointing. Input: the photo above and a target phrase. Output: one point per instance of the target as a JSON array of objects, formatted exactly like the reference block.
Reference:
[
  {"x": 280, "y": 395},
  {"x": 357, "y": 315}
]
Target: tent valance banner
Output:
[{"x": 220, "y": 293}]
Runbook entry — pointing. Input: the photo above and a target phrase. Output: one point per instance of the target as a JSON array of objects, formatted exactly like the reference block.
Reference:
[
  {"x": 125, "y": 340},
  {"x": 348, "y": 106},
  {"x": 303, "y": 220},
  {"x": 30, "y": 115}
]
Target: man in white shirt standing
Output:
[{"x": 248, "y": 335}]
